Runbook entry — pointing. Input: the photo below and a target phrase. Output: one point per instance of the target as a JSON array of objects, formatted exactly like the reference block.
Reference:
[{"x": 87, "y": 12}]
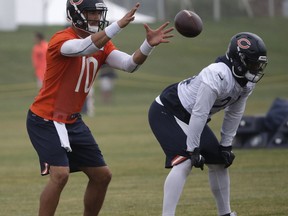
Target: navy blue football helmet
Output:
[
  {"x": 76, "y": 14},
  {"x": 248, "y": 55}
]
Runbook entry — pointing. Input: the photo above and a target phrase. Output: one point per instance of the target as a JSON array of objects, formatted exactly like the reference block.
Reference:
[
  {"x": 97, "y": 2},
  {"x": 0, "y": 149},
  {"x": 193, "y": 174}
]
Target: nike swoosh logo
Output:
[{"x": 220, "y": 77}]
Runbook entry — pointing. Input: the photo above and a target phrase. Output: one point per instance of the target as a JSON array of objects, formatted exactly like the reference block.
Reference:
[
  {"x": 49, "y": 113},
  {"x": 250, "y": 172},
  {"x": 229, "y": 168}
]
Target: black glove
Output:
[
  {"x": 227, "y": 155},
  {"x": 196, "y": 159}
]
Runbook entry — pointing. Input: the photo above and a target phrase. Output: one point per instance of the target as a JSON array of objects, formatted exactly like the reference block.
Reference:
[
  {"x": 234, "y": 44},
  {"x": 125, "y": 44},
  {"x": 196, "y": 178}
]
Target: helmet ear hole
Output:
[
  {"x": 77, "y": 17},
  {"x": 239, "y": 69}
]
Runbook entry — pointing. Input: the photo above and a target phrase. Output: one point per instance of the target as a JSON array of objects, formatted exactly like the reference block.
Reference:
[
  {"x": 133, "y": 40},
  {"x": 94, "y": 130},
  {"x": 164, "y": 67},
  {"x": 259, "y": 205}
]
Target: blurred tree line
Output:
[{"x": 210, "y": 9}]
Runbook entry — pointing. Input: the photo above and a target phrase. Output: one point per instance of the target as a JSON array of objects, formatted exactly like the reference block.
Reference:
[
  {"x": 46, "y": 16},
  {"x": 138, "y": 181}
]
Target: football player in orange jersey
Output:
[
  {"x": 63, "y": 142},
  {"x": 39, "y": 57}
]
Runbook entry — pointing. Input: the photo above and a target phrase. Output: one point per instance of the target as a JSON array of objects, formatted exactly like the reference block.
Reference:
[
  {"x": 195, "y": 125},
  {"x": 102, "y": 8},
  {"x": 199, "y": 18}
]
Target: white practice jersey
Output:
[{"x": 212, "y": 90}]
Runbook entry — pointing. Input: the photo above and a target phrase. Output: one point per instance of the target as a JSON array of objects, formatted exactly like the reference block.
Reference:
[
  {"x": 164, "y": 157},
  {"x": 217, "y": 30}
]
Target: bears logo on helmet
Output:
[
  {"x": 76, "y": 2},
  {"x": 244, "y": 45}
]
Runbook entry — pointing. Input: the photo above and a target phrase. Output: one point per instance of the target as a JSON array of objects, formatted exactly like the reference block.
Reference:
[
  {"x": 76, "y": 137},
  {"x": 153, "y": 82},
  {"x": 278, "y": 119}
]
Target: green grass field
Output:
[{"x": 258, "y": 177}]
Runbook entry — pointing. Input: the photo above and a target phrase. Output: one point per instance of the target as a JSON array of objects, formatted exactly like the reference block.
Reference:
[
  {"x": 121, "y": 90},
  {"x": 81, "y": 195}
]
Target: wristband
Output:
[
  {"x": 146, "y": 48},
  {"x": 112, "y": 30}
]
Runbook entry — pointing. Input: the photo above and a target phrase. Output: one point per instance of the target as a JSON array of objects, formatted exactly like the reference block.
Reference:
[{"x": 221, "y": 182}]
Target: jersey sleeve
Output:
[
  {"x": 205, "y": 100},
  {"x": 231, "y": 121},
  {"x": 233, "y": 115},
  {"x": 122, "y": 61},
  {"x": 57, "y": 41}
]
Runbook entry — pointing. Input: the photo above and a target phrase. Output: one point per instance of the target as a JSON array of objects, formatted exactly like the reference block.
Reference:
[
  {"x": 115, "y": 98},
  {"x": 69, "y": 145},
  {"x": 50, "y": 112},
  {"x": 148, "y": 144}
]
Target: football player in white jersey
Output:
[{"x": 179, "y": 115}]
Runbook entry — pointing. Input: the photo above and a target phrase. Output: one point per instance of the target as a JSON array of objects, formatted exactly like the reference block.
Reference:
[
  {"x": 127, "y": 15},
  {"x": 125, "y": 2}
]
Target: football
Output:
[{"x": 188, "y": 23}]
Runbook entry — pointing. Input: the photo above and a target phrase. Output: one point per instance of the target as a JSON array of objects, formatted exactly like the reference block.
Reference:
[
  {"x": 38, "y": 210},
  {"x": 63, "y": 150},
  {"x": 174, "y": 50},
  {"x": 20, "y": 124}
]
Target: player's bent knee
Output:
[
  {"x": 104, "y": 178},
  {"x": 59, "y": 175},
  {"x": 100, "y": 175}
]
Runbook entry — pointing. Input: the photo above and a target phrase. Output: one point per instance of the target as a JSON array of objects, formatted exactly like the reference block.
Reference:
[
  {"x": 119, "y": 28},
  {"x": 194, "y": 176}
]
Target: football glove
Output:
[
  {"x": 197, "y": 160},
  {"x": 227, "y": 155}
]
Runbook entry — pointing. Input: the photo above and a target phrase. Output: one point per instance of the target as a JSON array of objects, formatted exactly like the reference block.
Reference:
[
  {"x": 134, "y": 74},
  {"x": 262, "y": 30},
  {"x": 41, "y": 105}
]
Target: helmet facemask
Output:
[
  {"x": 98, "y": 25},
  {"x": 254, "y": 68}
]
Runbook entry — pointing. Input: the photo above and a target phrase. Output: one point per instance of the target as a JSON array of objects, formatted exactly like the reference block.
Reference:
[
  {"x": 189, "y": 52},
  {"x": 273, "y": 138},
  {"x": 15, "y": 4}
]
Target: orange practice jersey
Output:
[{"x": 67, "y": 80}]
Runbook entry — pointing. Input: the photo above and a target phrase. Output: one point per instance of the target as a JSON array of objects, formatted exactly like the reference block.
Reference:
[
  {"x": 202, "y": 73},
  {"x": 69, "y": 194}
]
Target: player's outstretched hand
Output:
[
  {"x": 129, "y": 17},
  {"x": 159, "y": 35}
]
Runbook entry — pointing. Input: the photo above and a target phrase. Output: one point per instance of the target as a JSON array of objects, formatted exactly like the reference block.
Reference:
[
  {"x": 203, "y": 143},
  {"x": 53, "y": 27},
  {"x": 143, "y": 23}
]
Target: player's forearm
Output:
[
  {"x": 101, "y": 38},
  {"x": 139, "y": 58},
  {"x": 129, "y": 63},
  {"x": 122, "y": 61},
  {"x": 200, "y": 113},
  {"x": 142, "y": 53},
  {"x": 229, "y": 128},
  {"x": 232, "y": 118}
]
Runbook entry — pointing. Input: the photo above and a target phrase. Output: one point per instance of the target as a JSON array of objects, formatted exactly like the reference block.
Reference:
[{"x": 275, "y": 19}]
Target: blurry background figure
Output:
[
  {"x": 39, "y": 57},
  {"x": 107, "y": 76},
  {"x": 88, "y": 108}
]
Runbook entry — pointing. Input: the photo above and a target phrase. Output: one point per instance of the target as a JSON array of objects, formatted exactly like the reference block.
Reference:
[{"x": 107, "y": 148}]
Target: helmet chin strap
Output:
[
  {"x": 233, "y": 68},
  {"x": 236, "y": 75},
  {"x": 81, "y": 30}
]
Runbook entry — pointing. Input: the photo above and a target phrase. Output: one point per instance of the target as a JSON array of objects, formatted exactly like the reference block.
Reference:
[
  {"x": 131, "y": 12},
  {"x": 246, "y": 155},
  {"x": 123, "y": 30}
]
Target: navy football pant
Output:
[
  {"x": 173, "y": 139},
  {"x": 46, "y": 141}
]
